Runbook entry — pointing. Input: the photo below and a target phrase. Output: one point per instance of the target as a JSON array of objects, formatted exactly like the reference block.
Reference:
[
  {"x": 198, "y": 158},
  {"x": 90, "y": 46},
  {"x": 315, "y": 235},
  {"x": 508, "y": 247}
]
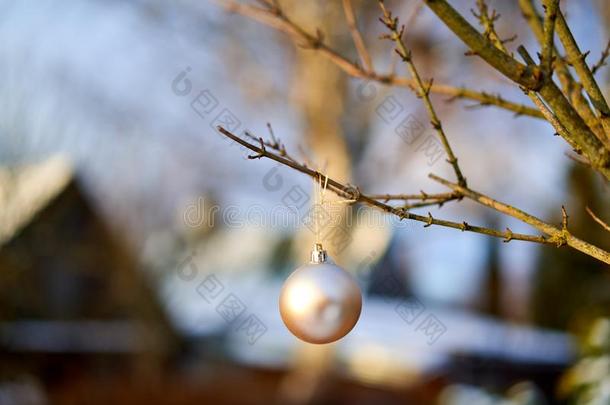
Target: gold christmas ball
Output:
[{"x": 320, "y": 302}]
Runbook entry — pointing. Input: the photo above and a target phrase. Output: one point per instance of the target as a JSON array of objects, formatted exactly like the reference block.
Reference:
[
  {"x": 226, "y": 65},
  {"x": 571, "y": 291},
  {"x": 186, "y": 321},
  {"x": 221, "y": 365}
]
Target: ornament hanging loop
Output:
[{"x": 318, "y": 254}]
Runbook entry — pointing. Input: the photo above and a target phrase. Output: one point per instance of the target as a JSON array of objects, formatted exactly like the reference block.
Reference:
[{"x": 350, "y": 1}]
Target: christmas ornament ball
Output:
[{"x": 320, "y": 302}]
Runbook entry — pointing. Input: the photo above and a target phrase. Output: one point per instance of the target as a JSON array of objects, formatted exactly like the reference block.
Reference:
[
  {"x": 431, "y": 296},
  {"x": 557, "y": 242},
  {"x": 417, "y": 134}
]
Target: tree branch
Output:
[
  {"x": 557, "y": 125},
  {"x": 530, "y": 78},
  {"x": 577, "y": 59},
  {"x": 598, "y": 220},
  {"x": 365, "y": 57},
  {"x": 353, "y": 193},
  {"x": 421, "y": 196},
  {"x": 550, "y": 15},
  {"x": 602, "y": 59},
  {"x": 275, "y": 18},
  {"x": 561, "y": 236},
  {"x": 487, "y": 21},
  {"x": 422, "y": 91},
  {"x": 571, "y": 88}
]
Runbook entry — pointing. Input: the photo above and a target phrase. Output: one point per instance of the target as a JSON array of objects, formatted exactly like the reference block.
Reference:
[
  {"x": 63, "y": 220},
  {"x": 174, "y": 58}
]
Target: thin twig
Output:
[
  {"x": 560, "y": 236},
  {"x": 421, "y": 196},
  {"x": 274, "y": 144},
  {"x": 440, "y": 202},
  {"x": 597, "y": 219},
  {"x": 350, "y": 17},
  {"x": 550, "y": 16},
  {"x": 422, "y": 90},
  {"x": 487, "y": 21},
  {"x": 554, "y": 121},
  {"x": 602, "y": 59}
]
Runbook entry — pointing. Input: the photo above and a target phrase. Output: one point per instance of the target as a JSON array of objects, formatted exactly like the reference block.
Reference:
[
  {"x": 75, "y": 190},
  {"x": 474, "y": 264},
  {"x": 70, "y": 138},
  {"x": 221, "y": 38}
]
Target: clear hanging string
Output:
[
  {"x": 319, "y": 203},
  {"x": 321, "y": 185}
]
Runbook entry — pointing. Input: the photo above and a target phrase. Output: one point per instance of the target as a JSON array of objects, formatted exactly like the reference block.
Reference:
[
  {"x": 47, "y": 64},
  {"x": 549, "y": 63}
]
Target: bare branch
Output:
[
  {"x": 275, "y": 18},
  {"x": 598, "y": 220},
  {"x": 530, "y": 78},
  {"x": 439, "y": 202},
  {"x": 570, "y": 87},
  {"x": 348, "y": 192},
  {"x": 274, "y": 144},
  {"x": 554, "y": 121},
  {"x": 560, "y": 236},
  {"x": 550, "y": 15},
  {"x": 488, "y": 21},
  {"x": 365, "y": 57},
  {"x": 422, "y": 90},
  {"x": 421, "y": 196},
  {"x": 577, "y": 59},
  {"x": 602, "y": 59},
  {"x": 576, "y": 123}
]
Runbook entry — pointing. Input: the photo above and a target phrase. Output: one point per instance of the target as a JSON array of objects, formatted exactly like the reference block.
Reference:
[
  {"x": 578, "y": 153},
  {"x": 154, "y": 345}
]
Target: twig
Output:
[
  {"x": 554, "y": 121},
  {"x": 439, "y": 202},
  {"x": 412, "y": 17},
  {"x": 570, "y": 87},
  {"x": 577, "y": 59},
  {"x": 275, "y": 18},
  {"x": 365, "y": 57},
  {"x": 578, "y": 159},
  {"x": 421, "y": 196},
  {"x": 530, "y": 78},
  {"x": 422, "y": 90},
  {"x": 550, "y": 16},
  {"x": 488, "y": 22},
  {"x": 597, "y": 219},
  {"x": 348, "y": 191},
  {"x": 548, "y": 114},
  {"x": 602, "y": 59},
  {"x": 423, "y": 199},
  {"x": 560, "y": 236},
  {"x": 275, "y": 143}
]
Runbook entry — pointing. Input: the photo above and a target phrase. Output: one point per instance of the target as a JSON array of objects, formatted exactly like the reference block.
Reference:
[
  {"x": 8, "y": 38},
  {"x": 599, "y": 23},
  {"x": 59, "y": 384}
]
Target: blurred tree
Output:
[
  {"x": 491, "y": 291},
  {"x": 568, "y": 286}
]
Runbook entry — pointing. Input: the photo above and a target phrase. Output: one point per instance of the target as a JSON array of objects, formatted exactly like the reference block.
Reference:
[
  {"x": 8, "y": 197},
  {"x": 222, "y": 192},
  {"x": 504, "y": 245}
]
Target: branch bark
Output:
[
  {"x": 550, "y": 16},
  {"x": 577, "y": 59},
  {"x": 571, "y": 88},
  {"x": 531, "y": 78},
  {"x": 561, "y": 236}
]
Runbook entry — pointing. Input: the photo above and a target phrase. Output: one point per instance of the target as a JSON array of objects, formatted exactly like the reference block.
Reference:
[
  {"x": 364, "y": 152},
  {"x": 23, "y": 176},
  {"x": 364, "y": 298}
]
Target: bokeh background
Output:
[{"x": 142, "y": 254}]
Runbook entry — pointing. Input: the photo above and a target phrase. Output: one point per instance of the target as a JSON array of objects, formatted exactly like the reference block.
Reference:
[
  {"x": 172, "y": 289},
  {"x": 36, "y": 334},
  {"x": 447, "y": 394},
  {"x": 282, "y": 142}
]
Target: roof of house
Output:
[{"x": 26, "y": 190}]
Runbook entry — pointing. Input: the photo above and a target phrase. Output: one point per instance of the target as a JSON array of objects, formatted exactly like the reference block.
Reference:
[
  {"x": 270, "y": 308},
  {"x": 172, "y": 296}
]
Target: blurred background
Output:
[{"x": 142, "y": 253}]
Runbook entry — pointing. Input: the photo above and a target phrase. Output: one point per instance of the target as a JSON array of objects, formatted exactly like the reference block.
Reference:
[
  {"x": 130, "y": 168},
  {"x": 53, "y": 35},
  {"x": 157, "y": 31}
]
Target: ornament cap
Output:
[{"x": 318, "y": 254}]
